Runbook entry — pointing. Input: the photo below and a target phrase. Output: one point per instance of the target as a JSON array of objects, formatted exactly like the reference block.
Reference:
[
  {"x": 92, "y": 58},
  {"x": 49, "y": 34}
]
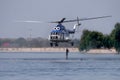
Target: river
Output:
[{"x": 54, "y": 66}]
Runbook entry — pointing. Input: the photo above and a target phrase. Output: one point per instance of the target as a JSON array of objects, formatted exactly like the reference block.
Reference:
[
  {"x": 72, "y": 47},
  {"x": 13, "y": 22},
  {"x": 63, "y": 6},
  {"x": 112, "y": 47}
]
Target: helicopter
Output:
[{"x": 59, "y": 33}]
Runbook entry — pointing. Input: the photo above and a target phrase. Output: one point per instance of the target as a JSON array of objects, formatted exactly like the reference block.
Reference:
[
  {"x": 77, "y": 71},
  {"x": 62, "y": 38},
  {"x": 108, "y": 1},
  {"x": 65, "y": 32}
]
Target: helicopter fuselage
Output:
[{"x": 60, "y": 34}]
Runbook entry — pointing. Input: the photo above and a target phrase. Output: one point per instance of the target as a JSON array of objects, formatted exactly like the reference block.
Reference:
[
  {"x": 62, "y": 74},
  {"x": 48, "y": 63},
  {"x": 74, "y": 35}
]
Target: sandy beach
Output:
[
  {"x": 48, "y": 49},
  {"x": 102, "y": 51},
  {"x": 58, "y": 49}
]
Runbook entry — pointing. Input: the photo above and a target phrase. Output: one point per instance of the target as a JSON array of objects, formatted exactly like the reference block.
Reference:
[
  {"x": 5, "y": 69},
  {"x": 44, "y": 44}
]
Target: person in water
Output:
[{"x": 67, "y": 51}]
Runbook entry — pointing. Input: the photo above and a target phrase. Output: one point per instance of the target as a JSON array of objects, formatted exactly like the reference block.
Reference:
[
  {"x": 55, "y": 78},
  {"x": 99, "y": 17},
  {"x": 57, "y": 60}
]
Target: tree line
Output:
[
  {"x": 88, "y": 40},
  {"x": 30, "y": 42},
  {"x": 97, "y": 40},
  {"x": 23, "y": 42}
]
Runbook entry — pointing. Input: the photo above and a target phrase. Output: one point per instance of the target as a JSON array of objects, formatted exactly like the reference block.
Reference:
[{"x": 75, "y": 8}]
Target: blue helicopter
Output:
[{"x": 61, "y": 34}]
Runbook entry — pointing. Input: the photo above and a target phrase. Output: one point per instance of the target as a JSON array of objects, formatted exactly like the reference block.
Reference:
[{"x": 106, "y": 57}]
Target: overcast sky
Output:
[{"x": 52, "y": 10}]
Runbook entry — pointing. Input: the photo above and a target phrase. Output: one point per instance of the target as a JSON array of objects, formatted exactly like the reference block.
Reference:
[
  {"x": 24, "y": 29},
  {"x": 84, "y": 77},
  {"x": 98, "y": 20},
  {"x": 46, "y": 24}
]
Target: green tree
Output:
[
  {"x": 115, "y": 35},
  {"x": 107, "y": 41},
  {"x": 84, "y": 40},
  {"x": 21, "y": 42},
  {"x": 90, "y": 40},
  {"x": 95, "y": 39}
]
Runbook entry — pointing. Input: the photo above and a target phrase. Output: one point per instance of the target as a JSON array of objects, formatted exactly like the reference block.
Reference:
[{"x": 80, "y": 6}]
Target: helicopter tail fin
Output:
[{"x": 76, "y": 25}]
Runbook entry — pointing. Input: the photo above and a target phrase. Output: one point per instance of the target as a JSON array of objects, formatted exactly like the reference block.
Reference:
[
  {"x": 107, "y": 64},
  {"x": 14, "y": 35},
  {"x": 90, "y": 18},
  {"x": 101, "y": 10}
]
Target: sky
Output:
[{"x": 12, "y": 11}]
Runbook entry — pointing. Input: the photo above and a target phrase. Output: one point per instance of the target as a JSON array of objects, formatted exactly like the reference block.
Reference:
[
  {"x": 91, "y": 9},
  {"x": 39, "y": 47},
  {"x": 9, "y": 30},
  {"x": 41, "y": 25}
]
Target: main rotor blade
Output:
[
  {"x": 31, "y": 22},
  {"x": 86, "y": 19},
  {"x": 61, "y": 21}
]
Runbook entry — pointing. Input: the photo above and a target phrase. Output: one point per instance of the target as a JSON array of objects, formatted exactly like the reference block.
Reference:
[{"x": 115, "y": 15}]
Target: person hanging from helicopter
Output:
[{"x": 67, "y": 51}]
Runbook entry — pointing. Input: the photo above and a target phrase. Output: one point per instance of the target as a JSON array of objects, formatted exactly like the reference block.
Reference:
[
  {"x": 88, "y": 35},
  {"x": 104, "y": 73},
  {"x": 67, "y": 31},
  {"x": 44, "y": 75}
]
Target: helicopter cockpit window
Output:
[{"x": 56, "y": 28}]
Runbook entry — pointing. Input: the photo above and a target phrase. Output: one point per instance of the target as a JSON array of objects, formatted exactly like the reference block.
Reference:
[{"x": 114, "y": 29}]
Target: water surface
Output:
[{"x": 54, "y": 66}]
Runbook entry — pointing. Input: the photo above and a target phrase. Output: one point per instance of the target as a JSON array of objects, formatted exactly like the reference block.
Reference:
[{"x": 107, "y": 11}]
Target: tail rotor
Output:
[{"x": 78, "y": 23}]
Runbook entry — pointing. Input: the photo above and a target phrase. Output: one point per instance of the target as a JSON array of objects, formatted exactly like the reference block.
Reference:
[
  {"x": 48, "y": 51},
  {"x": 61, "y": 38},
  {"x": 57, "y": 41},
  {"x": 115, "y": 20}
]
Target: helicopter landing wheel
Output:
[
  {"x": 56, "y": 44},
  {"x": 51, "y": 44}
]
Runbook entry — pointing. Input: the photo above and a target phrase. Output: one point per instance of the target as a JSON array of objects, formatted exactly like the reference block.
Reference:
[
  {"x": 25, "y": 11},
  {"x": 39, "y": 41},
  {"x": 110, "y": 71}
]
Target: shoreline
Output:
[
  {"x": 46, "y": 49},
  {"x": 102, "y": 51},
  {"x": 59, "y": 49}
]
